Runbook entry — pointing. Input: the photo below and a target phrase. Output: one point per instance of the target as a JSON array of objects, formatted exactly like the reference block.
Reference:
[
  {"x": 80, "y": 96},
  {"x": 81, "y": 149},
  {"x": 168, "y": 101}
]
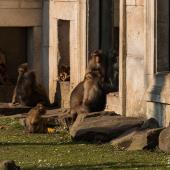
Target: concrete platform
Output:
[{"x": 9, "y": 109}]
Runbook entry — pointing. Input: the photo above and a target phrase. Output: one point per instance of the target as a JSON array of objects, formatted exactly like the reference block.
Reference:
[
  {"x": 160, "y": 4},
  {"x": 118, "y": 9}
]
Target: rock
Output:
[
  {"x": 151, "y": 123},
  {"x": 8, "y": 165},
  {"x": 164, "y": 140},
  {"x": 124, "y": 141},
  {"x": 102, "y": 126},
  {"x": 137, "y": 139}
]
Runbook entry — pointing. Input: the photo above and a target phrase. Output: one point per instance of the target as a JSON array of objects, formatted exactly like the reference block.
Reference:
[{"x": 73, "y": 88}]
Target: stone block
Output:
[
  {"x": 20, "y": 17},
  {"x": 9, "y": 4},
  {"x": 140, "y": 2},
  {"x": 102, "y": 126},
  {"x": 136, "y": 139},
  {"x": 135, "y": 30},
  {"x": 65, "y": 94},
  {"x": 164, "y": 140},
  {"x": 130, "y": 2},
  {"x": 31, "y": 4}
]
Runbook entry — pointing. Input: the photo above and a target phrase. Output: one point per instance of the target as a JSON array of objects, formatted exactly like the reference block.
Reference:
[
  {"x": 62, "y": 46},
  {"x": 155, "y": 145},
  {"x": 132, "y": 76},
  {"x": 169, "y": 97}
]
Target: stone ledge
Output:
[{"x": 8, "y": 109}]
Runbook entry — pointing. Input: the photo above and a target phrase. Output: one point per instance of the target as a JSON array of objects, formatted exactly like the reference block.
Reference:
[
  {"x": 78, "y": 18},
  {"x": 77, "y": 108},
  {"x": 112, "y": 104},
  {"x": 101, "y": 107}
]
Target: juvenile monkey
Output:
[{"x": 34, "y": 122}]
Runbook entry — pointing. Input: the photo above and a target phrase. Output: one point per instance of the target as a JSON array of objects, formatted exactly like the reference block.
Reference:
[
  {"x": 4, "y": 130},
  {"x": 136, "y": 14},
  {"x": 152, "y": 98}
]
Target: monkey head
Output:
[
  {"x": 23, "y": 68},
  {"x": 41, "y": 108},
  {"x": 96, "y": 57}
]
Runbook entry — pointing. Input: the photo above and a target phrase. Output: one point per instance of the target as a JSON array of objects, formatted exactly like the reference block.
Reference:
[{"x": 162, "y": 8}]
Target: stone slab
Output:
[{"x": 8, "y": 109}]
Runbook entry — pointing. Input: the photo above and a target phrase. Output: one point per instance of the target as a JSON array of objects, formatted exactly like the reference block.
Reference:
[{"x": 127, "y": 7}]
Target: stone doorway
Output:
[
  {"x": 16, "y": 45},
  {"x": 63, "y": 82}
]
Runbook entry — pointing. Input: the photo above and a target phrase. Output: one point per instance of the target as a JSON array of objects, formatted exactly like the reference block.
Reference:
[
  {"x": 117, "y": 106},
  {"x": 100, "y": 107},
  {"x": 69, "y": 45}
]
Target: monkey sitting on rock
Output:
[{"x": 89, "y": 95}]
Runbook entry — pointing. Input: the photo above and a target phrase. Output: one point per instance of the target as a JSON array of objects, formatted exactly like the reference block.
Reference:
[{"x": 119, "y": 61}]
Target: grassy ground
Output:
[{"x": 58, "y": 152}]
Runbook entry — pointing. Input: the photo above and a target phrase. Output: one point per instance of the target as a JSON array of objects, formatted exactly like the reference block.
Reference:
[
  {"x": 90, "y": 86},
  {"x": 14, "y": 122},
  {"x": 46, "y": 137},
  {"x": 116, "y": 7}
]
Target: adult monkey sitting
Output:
[
  {"x": 27, "y": 91},
  {"x": 89, "y": 95}
]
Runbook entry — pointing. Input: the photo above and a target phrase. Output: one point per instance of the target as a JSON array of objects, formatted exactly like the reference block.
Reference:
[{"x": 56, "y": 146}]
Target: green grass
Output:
[{"x": 58, "y": 152}]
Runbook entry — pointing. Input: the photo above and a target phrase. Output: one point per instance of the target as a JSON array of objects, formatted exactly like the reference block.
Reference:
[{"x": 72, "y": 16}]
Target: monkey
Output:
[
  {"x": 93, "y": 90},
  {"x": 64, "y": 73},
  {"x": 96, "y": 63},
  {"x": 88, "y": 96},
  {"x": 34, "y": 122},
  {"x": 27, "y": 91}
]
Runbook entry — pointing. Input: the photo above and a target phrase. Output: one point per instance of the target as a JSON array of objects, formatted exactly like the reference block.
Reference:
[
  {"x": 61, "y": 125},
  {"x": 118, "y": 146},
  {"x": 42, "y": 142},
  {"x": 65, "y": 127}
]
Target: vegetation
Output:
[{"x": 58, "y": 152}]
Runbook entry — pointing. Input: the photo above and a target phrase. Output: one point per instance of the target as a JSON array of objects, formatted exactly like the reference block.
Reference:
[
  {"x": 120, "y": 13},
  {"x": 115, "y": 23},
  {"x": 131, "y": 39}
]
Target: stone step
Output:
[{"x": 9, "y": 109}]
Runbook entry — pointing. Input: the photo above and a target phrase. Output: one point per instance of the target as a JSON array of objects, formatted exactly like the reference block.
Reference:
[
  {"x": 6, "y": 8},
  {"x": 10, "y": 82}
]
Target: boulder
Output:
[
  {"x": 164, "y": 140},
  {"x": 137, "y": 139},
  {"x": 102, "y": 126},
  {"x": 151, "y": 123},
  {"x": 8, "y": 165}
]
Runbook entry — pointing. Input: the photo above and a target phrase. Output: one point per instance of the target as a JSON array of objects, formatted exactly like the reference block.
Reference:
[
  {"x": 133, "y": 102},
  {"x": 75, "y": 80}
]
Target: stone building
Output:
[{"x": 49, "y": 33}]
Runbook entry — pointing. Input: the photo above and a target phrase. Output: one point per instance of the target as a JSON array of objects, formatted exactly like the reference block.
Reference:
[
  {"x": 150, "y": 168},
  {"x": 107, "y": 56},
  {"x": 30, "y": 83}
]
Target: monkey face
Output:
[{"x": 40, "y": 108}]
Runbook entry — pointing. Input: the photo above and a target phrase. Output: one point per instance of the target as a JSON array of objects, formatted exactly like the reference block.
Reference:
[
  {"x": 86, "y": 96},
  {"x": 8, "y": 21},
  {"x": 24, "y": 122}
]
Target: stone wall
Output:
[
  {"x": 20, "y": 34},
  {"x": 26, "y": 14},
  {"x": 135, "y": 90},
  {"x": 73, "y": 11},
  {"x": 157, "y": 63},
  {"x": 20, "y": 12}
]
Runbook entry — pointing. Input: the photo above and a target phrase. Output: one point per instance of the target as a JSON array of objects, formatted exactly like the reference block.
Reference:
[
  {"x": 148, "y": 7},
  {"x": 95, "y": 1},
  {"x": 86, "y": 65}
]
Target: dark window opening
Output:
[
  {"x": 109, "y": 40},
  {"x": 162, "y": 46},
  {"x": 13, "y": 43},
  {"x": 16, "y": 44},
  {"x": 64, "y": 50}
]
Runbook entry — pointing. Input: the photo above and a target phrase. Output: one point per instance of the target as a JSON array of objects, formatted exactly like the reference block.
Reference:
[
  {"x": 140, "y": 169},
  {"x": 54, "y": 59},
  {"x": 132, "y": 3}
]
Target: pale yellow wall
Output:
[{"x": 135, "y": 89}]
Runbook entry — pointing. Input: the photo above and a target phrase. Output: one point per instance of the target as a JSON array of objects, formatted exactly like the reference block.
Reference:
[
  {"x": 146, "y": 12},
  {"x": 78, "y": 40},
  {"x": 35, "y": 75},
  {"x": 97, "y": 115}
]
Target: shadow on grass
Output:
[
  {"x": 36, "y": 143},
  {"x": 103, "y": 166},
  {"x": 44, "y": 143}
]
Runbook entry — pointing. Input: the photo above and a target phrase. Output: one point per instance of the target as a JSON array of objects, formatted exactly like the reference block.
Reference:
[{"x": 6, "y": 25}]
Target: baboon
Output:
[
  {"x": 34, "y": 122},
  {"x": 27, "y": 91},
  {"x": 88, "y": 95},
  {"x": 96, "y": 63}
]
